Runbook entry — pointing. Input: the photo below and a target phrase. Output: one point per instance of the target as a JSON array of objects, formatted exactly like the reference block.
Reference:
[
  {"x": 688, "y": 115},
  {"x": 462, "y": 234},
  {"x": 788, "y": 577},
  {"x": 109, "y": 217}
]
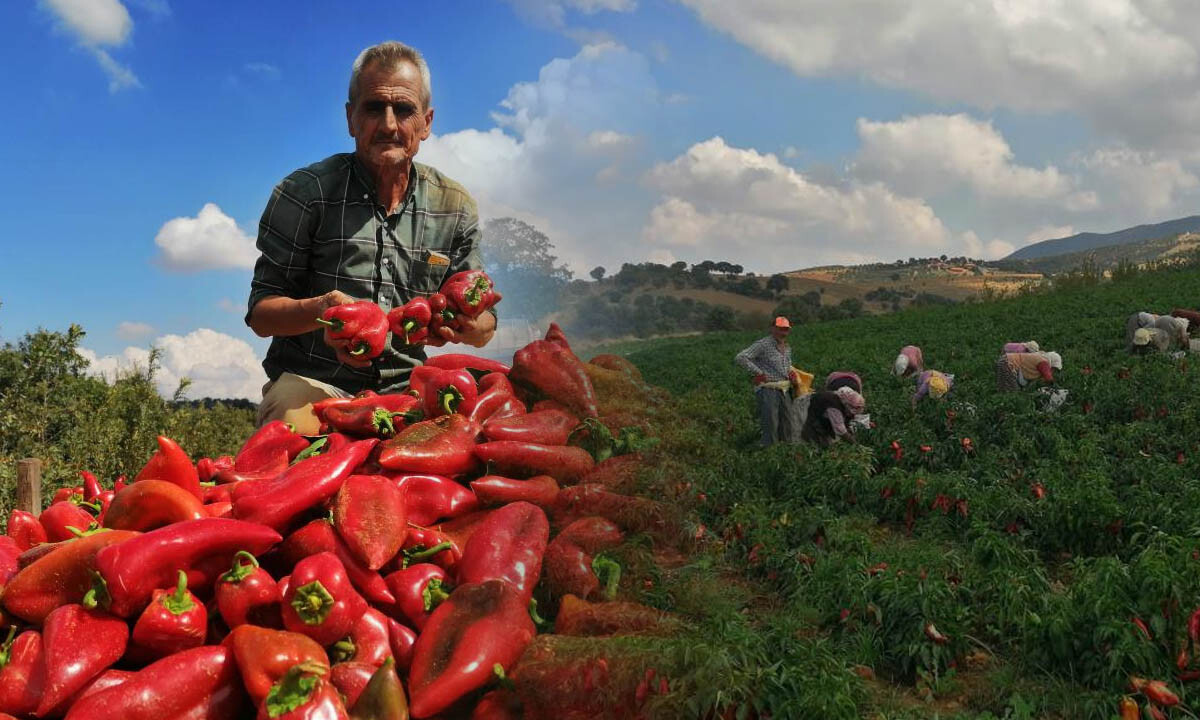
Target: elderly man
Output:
[
  {"x": 368, "y": 225},
  {"x": 769, "y": 362}
]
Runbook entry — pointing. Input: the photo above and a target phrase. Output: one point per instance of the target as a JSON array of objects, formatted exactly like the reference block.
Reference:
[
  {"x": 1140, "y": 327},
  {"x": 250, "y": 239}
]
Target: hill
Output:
[
  {"x": 1090, "y": 241},
  {"x": 1144, "y": 252}
]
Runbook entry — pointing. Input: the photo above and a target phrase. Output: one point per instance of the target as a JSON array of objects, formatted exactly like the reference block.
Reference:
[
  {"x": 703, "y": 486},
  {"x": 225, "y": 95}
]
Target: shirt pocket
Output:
[{"x": 427, "y": 278}]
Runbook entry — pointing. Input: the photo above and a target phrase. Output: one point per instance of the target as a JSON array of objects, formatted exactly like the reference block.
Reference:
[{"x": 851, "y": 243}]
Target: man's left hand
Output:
[{"x": 476, "y": 333}]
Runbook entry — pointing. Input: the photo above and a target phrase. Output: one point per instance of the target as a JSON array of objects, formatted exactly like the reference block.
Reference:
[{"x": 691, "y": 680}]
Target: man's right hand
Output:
[
  {"x": 333, "y": 298},
  {"x": 758, "y": 379}
]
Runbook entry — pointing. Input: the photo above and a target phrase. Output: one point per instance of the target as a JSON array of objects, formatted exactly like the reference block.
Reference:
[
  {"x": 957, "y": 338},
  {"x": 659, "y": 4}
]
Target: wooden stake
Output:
[{"x": 29, "y": 485}]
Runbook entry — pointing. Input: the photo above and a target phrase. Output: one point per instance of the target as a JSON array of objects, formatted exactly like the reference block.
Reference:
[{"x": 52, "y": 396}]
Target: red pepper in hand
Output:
[
  {"x": 131, "y": 571},
  {"x": 383, "y": 697},
  {"x": 63, "y": 575},
  {"x": 508, "y": 545},
  {"x": 541, "y": 490},
  {"x": 171, "y": 464},
  {"x": 443, "y": 392},
  {"x": 264, "y": 656},
  {"x": 24, "y": 528},
  {"x": 556, "y": 373},
  {"x": 173, "y": 621},
  {"x": 470, "y": 293},
  {"x": 59, "y": 517},
  {"x": 429, "y": 498},
  {"x": 359, "y": 327},
  {"x": 151, "y": 504},
  {"x": 419, "y": 589},
  {"x": 481, "y": 626},
  {"x": 262, "y": 448},
  {"x": 410, "y": 321},
  {"x": 319, "y": 536},
  {"x": 565, "y": 463},
  {"x": 369, "y": 641},
  {"x": 79, "y": 645},
  {"x": 442, "y": 446},
  {"x": 22, "y": 672},
  {"x": 369, "y": 514},
  {"x": 544, "y": 427},
  {"x": 303, "y": 694},
  {"x": 247, "y": 593},
  {"x": 320, "y": 601}
]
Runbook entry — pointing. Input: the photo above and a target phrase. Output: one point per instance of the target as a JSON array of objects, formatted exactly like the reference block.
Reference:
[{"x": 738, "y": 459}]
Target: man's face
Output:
[
  {"x": 780, "y": 333},
  {"x": 388, "y": 121}
]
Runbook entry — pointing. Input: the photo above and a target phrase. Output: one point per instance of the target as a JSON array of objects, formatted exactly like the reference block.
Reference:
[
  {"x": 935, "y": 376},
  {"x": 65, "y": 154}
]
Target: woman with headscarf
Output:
[
  {"x": 1029, "y": 346},
  {"x": 829, "y": 414},
  {"x": 1149, "y": 339},
  {"x": 1176, "y": 329},
  {"x": 843, "y": 378},
  {"x": 1135, "y": 322},
  {"x": 1016, "y": 370},
  {"x": 909, "y": 362},
  {"x": 933, "y": 383}
]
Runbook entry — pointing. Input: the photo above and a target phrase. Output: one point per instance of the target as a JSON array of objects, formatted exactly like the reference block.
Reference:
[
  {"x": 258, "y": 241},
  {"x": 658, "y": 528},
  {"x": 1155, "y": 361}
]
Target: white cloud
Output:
[
  {"x": 931, "y": 155},
  {"x": 219, "y": 365},
  {"x": 128, "y": 330},
  {"x": 1049, "y": 232},
  {"x": 1143, "y": 185},
  {"x": 263, "y": 70},
  {"x": 978, "y": 249},
  {"x": 553, "y": 13},
  {"x": 96, "y": 24},
  {"x": 209, "y": 241},
  {"x": 229, "y": 306},
  {"x": 1131, "y": 67}
]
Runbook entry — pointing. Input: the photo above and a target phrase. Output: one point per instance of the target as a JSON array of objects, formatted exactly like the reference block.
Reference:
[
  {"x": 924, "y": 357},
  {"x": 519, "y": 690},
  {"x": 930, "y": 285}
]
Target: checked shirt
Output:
[{"x": 323, "y": 229}]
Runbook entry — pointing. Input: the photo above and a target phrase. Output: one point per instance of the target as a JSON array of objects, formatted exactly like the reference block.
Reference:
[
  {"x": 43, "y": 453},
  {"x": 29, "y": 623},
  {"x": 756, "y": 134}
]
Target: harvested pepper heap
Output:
[{"x": 389, "y": 568}]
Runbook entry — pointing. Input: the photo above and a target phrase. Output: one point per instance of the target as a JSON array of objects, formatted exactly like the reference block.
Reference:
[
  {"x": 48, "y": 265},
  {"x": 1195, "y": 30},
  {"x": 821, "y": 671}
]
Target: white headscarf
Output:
[
  {"x": 901, "y": 364},
  {"x": 1055, "y": 360}
]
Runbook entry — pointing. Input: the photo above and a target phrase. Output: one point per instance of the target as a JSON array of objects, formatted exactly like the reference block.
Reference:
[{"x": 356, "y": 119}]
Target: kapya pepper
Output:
[
  {"x": 554, "y": 372},
  {"x": 513, "y": 458},
  {"x": 57, "y": 520},
  {"x": 350, "y": 679},
  {"x": 496, "y": 402},
  {"x": 151, "y": 504},
  {"x": 302, "y": 693},
  {"x": 24, "y": 528},
  {"x": 363, "y": 421},
  {"x": 480, "y": 626},
  {"x": 464, "y": 361},
  {"x": 207, "y": 468},
  {"x": 402, "y": 639},
  {"x": 79, "y": 645},
  {"x": 264, "y": 656},
  {"x": 369, "y": 513},
  {"x": 10, "y": 559},
  {"x": 22, "y": 672},
  {"x": 61, "y": 576},
  {"x": 359, "y": 327},
  {"x": 581, "y": 618},
  {"x": 198, "y": 684},
  {"x": 569, "y": 569},
  {"x": 319, "y": 536},
  {"x": 247, "y": 593},
  {"x": 508, "y": 545},
  {"x": 470, "y": 293},
  {"x": 544, "y": 427},
  {"x": 368, "y": 642},
  {"x": 171, "y": 464},
  {"x": 410, "y": 321},
  {"x": 419, "y": 589},
  {"x": 429, "y": 498},
  {"x": 91, "y": 485},
  {"x": 173, "y": 621},
  {"x": 383, "y": 697},
  {"x": 320, "y": 601},
  {"x": 262, "y": 448},
  {"x": 541, "y": 490},
  {"x": 443, "y": 392},
  {"x": 442, "y": 446},
  {"x": 129, "y": 572}
]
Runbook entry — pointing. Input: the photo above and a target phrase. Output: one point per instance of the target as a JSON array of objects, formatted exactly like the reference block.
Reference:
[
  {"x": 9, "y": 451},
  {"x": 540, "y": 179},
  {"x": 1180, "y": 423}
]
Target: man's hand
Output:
[
  {"x": 758, "y": 379},
  {"x": 333, "y": 298},
  {"x": 476, "y": 333}
]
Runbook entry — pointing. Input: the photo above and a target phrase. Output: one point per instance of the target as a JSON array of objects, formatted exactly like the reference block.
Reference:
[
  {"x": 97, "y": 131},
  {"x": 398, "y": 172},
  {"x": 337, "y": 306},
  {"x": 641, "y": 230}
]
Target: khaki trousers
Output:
[{"x": 290, "y": 399}]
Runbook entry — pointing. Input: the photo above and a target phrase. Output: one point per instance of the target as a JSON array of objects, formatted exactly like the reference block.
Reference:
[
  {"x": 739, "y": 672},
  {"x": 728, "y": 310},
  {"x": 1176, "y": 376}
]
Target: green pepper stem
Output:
[
  {"x": 609, "y": 573},
  {"x": 334, "y": 325},
  {"x": 534, "y": 615},
  {"x": 414, "y": 555},
  {"x": 180, "y": 601},
  {"x": 360, "y": 350},
  {"x": 433, "y": 594},
  {"x": 313, "y": 603},
  {"x": 6, "y": 648},
  {"x": 240, "y": 570}
]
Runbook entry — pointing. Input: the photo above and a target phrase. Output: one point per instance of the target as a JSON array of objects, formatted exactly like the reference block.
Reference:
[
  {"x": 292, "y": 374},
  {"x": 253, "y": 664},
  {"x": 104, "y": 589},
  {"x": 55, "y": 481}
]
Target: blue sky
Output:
[{"x": 144, "y": 137}]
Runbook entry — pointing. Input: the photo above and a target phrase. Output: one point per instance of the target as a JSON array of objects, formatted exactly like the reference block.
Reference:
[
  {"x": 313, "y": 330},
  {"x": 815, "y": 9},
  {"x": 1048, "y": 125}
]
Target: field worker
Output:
[
  {"x": 843, "y": 378},
  {"x": 769, "y": 362},
  {"x": 1016, "y": 370},
  {"x": 829, "y": 415},
  {"x": 908, "y": 362},
  {"x": 1029, "y": 346},
  {"x": 1136, "y": 322},
  {"x": 933, "y": 383},
  {"x": 1176, "y": 329},
  {"x": 367, "y": 225},
  {"x": 1148, "y": 339},
  {"x": 1192, "y": 316}
]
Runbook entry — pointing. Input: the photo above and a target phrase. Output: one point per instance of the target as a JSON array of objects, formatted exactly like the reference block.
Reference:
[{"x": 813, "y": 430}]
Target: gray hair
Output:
[{"x": 390, "y": 54}]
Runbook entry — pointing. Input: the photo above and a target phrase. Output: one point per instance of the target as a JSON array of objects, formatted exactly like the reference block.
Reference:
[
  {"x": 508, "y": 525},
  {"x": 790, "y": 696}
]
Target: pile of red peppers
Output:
[{"x": 389, "y": 568}]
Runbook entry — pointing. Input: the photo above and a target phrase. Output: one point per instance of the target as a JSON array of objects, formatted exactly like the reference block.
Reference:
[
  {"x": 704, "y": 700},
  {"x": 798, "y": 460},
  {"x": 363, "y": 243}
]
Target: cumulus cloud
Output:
[
  {"x": 553, "y": 13},
  {"x": 1131, "y": 67},
  {"x": 930, "y": 155},
  {"x": 133, "y": 330},
  {"x": 1143, "y": 185},
  {"x": 98, "y": 24},
  {"x": 209, "y": 241},
  {"x": 218, "y": 365}
]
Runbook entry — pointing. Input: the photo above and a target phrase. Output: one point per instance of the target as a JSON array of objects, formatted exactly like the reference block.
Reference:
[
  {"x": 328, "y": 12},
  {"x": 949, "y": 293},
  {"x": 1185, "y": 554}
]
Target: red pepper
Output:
[
  {"x": 382, "y": 698},
  {"x": 173, "y": 621},
  {"x": 1141, "y": 627},
  {"x": 497, "y": 705},
  {"x": 363, "y": 421},
  {"x": 319, "y": 536},
  {"x": 555, "y": 372},
  {"x": 60, "y": 516},
  {"x": 421, "y": 540},
  {"x": 541, "y": 490},
  {"x": 22, "y": 672},
  {"x": 198, "y": 684},
  {"x": 320, "y": 601},
  {"x": 429, "y": 498},
  {"x": 544, "y": 427},
  {"x": 24, "y": 528},
  {"x": 247, "y": 593},
  {"x": 261, "y": 449},
  {"x": 934, "y": 635},
  {"x": 131, "y": 571},
  {"x": 1129, "y": 709},
  {"x": 68, "y": 494},
  {"x": 470, "y": 292},
  {"x": 897, "y": 451},
  {"x": 580, "y": 618},
  {"x": 496, "y": 402},
  {"x": 171, "y": 464},
  {"x": 1157, "y": 692},
  {"x": 207, "y": 468},
  {"x": 495, "y": 380},
  {"x": 593, "y": 534},
  {"x": 565, "y": 463},
  {"x": 419, "y": 589},
  {"x": 218, "y": 494},
  {"x": 410, "y": 321},
  {"x": 264, "y": 656},
  {"x": 10, "y": 559},
  {"x": 1038, "y": 490},
  {"x": 351, "y": 679},
  {"x": 508, "y": 545},
  {"x": 571, "y": 570},
  {"x": 91, "y": 486},
  {"x": 151, "y": 504},
  {"x": 275, "y": 503},
  {"x": 61, "y": 576},
  {"x": 442, "y": 446},
  {"x": 481, "y": 626},
  {"x": 79, "y": 645},
  {"x": 460, "y": 361},
  {"x": 369, "y": 641},
  {"x": 402, "y": 638},
  {"x": 369, "y": 514},
  {"x": 443, "y": 392},
  {"x": 359, "y": 327},
  {"x": 303, "y": 694}
]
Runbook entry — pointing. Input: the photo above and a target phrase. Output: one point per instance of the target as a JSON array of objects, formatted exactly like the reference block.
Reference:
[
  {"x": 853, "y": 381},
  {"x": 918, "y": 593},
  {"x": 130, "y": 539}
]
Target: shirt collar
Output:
[{"x": 364, "y": 177}]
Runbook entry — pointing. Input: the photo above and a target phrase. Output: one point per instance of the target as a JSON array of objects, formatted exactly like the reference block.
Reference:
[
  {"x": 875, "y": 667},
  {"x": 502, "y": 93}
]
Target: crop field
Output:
[{"x": 1057, "y": 552}]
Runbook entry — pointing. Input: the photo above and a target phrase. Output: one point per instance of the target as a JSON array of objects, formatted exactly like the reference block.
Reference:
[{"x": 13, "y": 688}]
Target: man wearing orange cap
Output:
[{"x": 769, "y": 362}]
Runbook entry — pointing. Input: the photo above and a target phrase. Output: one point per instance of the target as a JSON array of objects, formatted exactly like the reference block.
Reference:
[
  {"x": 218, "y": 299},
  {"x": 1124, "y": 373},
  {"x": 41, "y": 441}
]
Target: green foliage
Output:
[{"x": 520, "y": 260}]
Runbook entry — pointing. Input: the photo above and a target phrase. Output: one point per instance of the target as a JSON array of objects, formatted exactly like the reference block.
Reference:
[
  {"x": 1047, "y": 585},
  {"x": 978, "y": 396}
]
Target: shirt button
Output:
[{"x": 364, "y": 196}]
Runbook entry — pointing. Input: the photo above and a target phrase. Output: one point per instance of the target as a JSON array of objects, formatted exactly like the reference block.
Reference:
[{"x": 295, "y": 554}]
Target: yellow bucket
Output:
[{"x": 802, "y": 383}]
